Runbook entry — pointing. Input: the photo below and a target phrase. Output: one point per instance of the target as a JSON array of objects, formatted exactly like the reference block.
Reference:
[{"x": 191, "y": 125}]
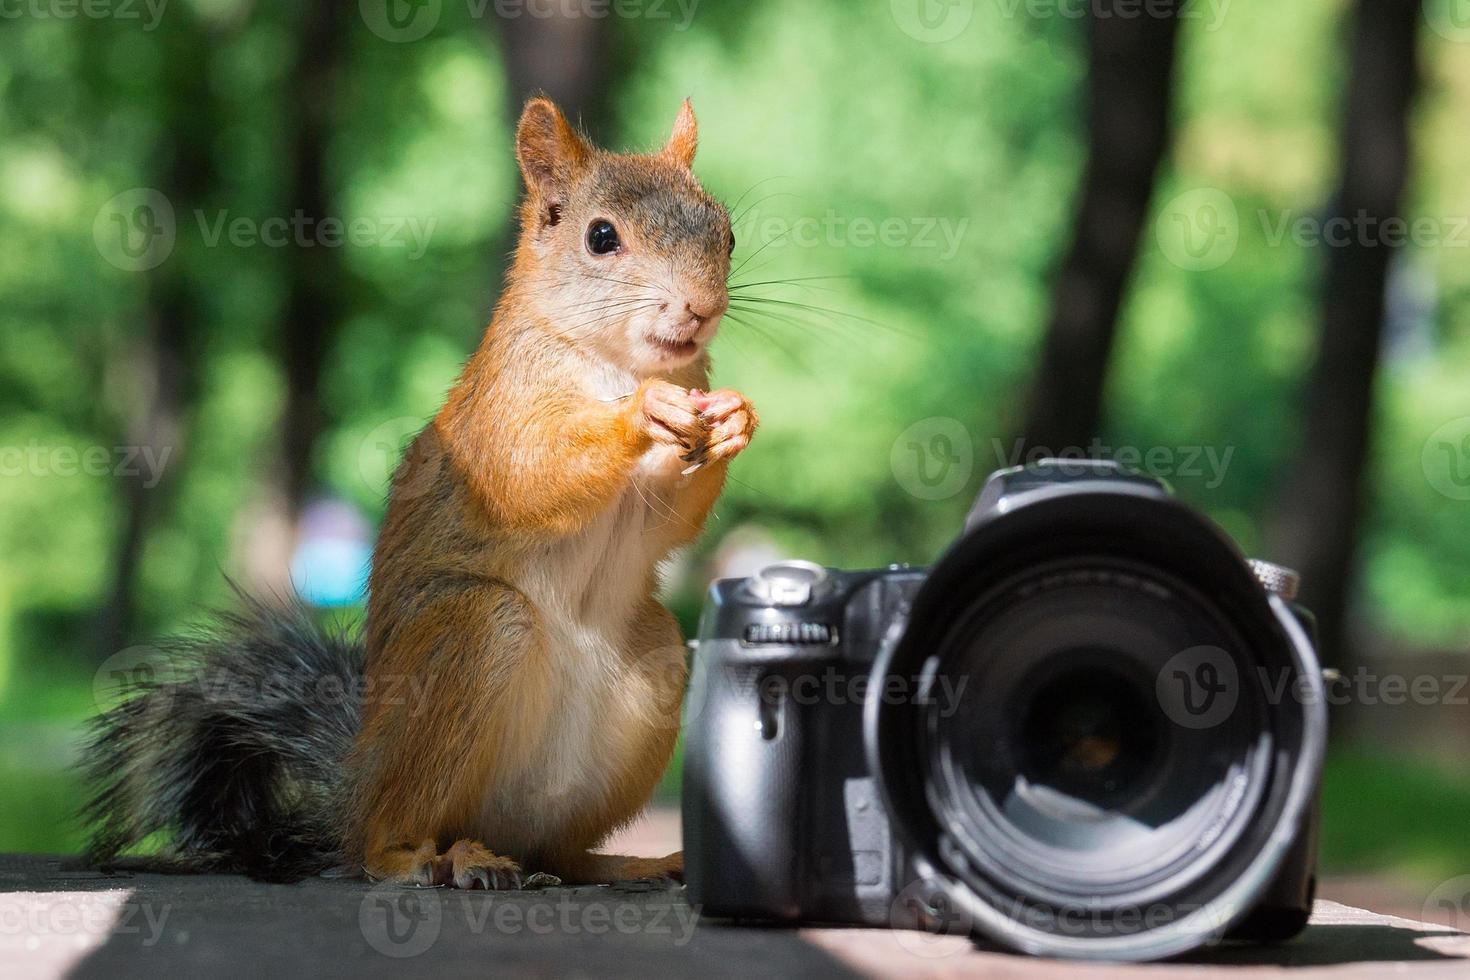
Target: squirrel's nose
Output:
[{"x": 703, "y": 310}]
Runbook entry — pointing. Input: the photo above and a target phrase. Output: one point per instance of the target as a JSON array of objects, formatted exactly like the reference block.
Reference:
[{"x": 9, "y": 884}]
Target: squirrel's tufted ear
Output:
[
  {"x": 685, "y": 141},
  {"x": 549, "y": 150}
]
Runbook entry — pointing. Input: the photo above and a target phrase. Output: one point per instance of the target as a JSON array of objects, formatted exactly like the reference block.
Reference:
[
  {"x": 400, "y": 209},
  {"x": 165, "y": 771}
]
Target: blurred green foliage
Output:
[{"x": 813, "y": 115}]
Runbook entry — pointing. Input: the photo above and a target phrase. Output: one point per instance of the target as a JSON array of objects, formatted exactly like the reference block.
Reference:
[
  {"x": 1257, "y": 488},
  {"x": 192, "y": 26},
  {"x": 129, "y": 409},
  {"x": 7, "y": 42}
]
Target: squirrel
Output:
[{"x": 514, "y": 695}]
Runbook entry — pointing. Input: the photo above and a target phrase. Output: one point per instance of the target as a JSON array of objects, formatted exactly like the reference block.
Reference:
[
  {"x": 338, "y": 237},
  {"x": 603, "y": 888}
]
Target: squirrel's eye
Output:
[
  {"x": 732, "y": 242},
  {"x": 602, "y": 238}
]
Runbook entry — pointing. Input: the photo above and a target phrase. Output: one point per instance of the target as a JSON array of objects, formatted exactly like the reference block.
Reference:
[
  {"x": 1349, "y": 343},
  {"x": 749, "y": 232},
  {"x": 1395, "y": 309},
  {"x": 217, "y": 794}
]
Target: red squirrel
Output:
[{"x": 512, "y": 598}]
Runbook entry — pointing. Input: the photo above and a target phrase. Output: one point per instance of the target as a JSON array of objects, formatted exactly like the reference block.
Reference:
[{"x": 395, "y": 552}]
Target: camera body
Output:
[
  {"x": 783, "y": 819},
  {"x": 808, "y": 795}
]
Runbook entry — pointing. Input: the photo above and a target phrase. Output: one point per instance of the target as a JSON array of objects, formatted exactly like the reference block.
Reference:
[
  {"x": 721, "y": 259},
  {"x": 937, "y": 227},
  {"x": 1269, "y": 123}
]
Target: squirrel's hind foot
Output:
[{"x": 608, "y": 869}]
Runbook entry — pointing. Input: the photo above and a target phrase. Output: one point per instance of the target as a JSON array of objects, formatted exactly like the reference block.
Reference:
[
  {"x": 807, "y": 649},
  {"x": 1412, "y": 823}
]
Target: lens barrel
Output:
[{"x": 1137, "y": 732}]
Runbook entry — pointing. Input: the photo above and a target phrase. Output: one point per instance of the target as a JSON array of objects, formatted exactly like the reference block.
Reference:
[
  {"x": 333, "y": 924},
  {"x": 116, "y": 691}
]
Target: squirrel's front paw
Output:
[
  {"x": 467, "y": 864},
  {"x": 731, "y": 421},
  {"x": 674, "y": 423}
]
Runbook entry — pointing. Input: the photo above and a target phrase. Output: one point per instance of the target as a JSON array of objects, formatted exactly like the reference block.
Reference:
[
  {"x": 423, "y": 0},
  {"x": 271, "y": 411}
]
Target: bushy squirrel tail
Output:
[{"x": 232, "y": 746}]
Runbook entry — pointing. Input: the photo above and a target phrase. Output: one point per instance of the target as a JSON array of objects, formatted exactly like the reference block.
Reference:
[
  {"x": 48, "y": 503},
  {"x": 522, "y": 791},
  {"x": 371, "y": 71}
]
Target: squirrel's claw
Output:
[
  {"x": 487, "y": 879},
  {"x": 472, "y": 878},
  {"x": 469, "y": 865},
  {"x": 696, "y": 458}
]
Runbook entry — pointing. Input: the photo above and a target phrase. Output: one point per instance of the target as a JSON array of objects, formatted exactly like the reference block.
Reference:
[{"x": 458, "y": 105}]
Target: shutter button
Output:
[{"x": 788, "y": 583}]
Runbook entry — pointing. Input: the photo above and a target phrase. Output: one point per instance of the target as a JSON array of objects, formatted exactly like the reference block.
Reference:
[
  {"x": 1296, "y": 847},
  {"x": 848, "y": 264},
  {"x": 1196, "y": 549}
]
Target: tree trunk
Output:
[
  {"x": 164, "y": 372},
  {"x": 1128, "y": 123},
  {"x": 312, "y": 313},
  {"x": 568, "y": 57},
  {"x": 166, "y": 365},
  {"x": 1315, "y": 527},
  {"x": 312, "y": 316},
  {"x": 313, "y": 304}
]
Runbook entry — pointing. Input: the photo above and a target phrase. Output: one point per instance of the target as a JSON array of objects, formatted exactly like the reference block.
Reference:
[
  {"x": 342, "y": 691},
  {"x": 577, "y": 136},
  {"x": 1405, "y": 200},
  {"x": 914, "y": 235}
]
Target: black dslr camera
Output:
[{"x": 1093, "y": 729}]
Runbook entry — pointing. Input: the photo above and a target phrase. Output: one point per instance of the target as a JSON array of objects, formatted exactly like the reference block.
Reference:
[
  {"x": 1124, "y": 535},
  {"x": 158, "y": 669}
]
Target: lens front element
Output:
[{"x": 1065, "y": 782}]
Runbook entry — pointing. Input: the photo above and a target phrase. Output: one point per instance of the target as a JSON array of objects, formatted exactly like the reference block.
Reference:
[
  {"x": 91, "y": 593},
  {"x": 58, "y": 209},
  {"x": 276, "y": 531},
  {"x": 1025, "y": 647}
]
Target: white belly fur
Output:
[{"x": 588, "y": 589}]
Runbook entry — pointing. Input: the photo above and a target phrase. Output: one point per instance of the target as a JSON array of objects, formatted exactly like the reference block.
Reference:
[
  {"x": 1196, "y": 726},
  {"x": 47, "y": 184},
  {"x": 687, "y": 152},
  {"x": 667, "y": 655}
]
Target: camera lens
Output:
[
  {"x": 1105, "y": 759},
  {"x": 1066, "y": 780}
]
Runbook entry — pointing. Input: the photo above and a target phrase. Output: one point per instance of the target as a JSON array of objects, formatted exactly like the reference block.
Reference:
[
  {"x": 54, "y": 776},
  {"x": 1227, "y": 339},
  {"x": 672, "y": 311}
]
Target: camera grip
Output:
[{"x": 743, "y": 769}]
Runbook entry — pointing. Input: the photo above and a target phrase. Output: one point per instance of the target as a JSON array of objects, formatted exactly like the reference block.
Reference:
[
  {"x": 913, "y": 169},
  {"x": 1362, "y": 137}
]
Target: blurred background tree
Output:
[{"x": 248, "y": 243}]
